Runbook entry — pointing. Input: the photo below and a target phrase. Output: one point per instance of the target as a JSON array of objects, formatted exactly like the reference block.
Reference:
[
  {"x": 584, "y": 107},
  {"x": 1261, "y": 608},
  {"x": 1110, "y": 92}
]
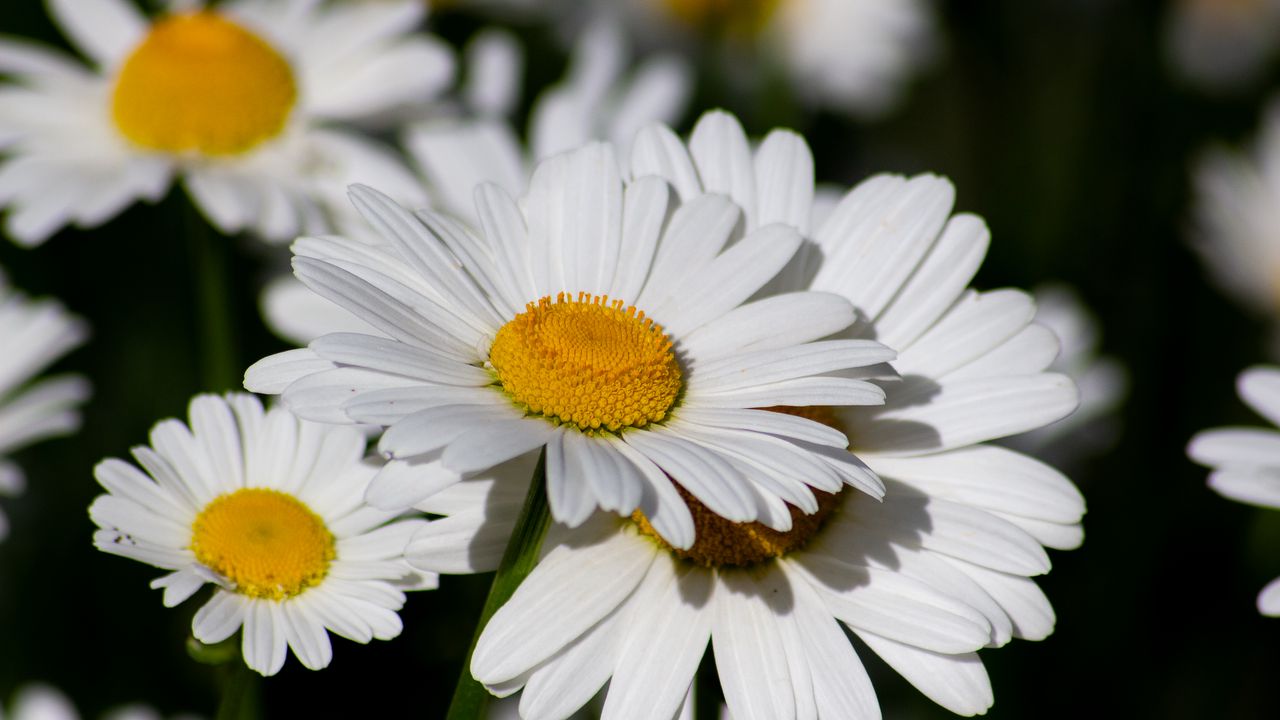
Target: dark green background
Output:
[{"x": 1059, "y": 124}]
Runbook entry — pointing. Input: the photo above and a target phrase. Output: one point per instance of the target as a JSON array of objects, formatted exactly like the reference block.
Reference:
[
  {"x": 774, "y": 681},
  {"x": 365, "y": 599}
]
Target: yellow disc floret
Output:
[
  {"x": 267, "y": 543},
  {"x": 723, "y": 543},
  {"x": 201, "y": 83},
  {"x": 590, "y": 362}
]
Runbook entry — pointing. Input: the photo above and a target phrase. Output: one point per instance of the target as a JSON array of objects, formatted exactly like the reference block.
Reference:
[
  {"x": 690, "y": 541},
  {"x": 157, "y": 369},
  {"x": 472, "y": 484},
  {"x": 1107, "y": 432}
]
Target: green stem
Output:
[
  {"x": 219, "y": 370},
  {"x": 239, "y": 693},
  {"x": 470, "y": 697}
]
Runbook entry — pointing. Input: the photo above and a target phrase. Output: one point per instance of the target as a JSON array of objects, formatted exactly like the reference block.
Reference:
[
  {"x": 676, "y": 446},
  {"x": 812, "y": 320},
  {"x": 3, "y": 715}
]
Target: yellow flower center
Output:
[
  {"x": 720, "y": 543},
  {"x": 201, "y": 83},
  {"x": 590, "y": 362},
  {"x": 266, "y": 542},
  {"x": 728, "y": 17}
]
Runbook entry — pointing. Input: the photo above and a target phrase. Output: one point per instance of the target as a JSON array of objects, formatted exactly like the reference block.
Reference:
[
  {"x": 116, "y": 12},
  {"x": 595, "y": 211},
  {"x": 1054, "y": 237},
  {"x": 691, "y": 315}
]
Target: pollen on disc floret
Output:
[
  {"x": 590, "y": 362},
  {"x": 201, "y": 83},
  {"x": 267, "y": 543}
]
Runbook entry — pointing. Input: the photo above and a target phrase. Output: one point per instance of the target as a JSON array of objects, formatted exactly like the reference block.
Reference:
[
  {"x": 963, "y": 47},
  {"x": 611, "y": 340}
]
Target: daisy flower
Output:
[
  {"x": 1246, "y": 461},
  {"x": 35, "y": 334},
  {"x": 853, "y": 55},
  {"x": 600, "y": 319},
  {"x": 939, "y": 568},
  {"x": 267, "y": 509},
  {"x": 1236, "y": 199},
  {"x": 1222, "y": 46},
  {"x": 236, "y": 99},
  {"x": 598, "y": 99},
  {"x": 1102, "y": 381}
]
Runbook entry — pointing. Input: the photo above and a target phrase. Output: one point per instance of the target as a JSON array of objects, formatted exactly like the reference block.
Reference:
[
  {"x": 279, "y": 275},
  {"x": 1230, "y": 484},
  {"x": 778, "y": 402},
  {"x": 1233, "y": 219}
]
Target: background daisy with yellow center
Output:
[
  {"x": 269, "y": 510},
  {"x": 243, "y": 101},
  {"x": 604, "y": 320},
  {"x": 939, "y": 568}
]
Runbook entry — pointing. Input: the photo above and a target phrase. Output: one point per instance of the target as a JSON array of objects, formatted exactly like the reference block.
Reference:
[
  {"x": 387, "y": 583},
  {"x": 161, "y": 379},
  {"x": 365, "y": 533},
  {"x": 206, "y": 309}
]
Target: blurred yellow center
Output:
[
  {"x": 201, "y": 83},
  {"x": 723, "y": 543},
  {"x": 732, "y": 17},
  {"x": 591, "y": 362},
  {"x": 266, "y": 542}
]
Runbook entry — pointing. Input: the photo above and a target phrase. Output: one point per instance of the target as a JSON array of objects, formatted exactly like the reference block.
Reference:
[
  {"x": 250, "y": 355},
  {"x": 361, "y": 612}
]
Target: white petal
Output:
[
  {"x": 667, "y": 638},
  {"x": 1269, "y": 599},
  {"x": 750, "y": 655},
  {"x": 770, "y": 323},
  {"x": 436, "y": 427},
  {"x": 273, "y": 373},
  {"x": 722, "y": 155},
  {"x": 702, "y": 472},
  {"x": 219, "y": 618},
  {"x": 400, "y": 484},
  {"x": 568, "y": 592},
  {"x": 657, "y": 151},
  {"x": 306, "y": 634},
  {"x": 751, "y": 368},
  {"x": 958, "y": 683},
  {"x": 1256, "y": 486},
  {"x": 105, "y": 30},
  {"x": 895, "y": 606},
  {"x": 644, "y": 213},
  {"x": 1239, "y": 447},
  {"x": 784, "y": 173},
  {"x": 697, "y": 231},
  {"x": 928, "y": 419}
]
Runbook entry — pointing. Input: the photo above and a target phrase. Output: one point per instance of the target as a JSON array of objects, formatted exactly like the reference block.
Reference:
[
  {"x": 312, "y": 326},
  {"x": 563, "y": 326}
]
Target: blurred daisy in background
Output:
[
  {"x": 1222, "y": 45},
  {"x": 269, "y": 510},
  {"x": 1102, "y": 381},
  {"x": 855, "y": 56},
  {"x": 38, "y": 701},
  {"x": 940, "y": 567},
  {"x": 1246, "y": 461},
  {"x": 601, "y": 319},
  {"x": 600, "y": 98},
  {"x": 250, "y": 102},
  {"x": 34, "y": 335},
  {"x": 1236, "y": 212}
]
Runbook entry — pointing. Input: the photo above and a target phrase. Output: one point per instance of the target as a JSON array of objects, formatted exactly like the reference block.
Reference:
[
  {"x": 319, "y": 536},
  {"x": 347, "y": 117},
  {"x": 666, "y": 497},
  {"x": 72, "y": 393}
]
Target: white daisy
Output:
[
  {"x": 1237, "y": 207},
  {"x": 598, "y": 99},
  {"x": 854, "y": 55},
  {"x": 1246, "y": 461},
  {"x": 269, "y": 510},
  {"x": 235, "y": 99},
  {"x": 1102, "y": 381},
  {"x": 603, "y": 320},
  {"x": 34, "y": 334},
  {"x": 1222, "y": 46},
  {"x": 939, "y": 569}
]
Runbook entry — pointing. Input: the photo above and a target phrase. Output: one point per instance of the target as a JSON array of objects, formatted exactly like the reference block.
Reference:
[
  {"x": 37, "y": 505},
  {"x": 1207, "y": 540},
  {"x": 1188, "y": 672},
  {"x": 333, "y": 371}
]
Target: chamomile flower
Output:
[
  {"x": 598, "y": 99},
  {"x": 603, "y": 320},
  {"x": 269, "y": 510},
  {"x": 1246, "y": 461},
  {"x": 852, "y": 55},
  {"x": 941, "y": 567},
  {"x": 236, "y": 99},
  {"x": 1237, "y": 196},
  {"x": 34, "y": 334}
]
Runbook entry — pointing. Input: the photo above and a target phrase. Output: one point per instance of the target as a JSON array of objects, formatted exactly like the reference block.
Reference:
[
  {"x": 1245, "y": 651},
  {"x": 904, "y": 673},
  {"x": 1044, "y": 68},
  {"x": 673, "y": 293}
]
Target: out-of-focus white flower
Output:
[
  {"x": 34, "y": 334},
  {"x": 245, "y": 101},
  {"x": 600, "y": 98},
  {"x": 1246, "y": 461},
  {"x": 1237, "y": 211},
  {"x": 852, "y": 55},
  {"x": 1222, "y": 45},
  {"x": 270, "y": 510},
  {"x": 1102, "y": 381},
  {"x": 38, "y": 701}
]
